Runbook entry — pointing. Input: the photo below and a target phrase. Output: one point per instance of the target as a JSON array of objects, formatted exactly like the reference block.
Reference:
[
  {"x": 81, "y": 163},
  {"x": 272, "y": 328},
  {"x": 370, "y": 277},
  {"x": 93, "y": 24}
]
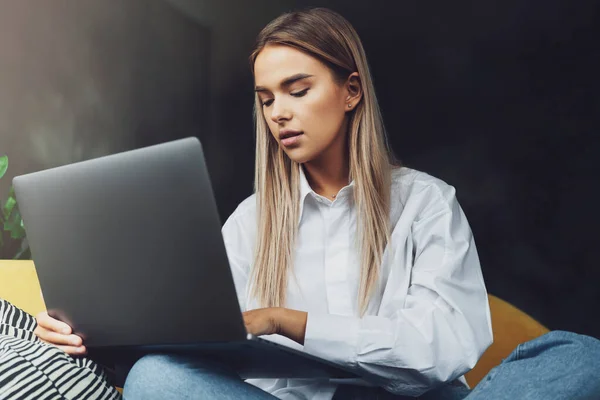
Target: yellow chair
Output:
[
  {"x": 511, "y": 327},
  {"x": 19, "y": 285}
]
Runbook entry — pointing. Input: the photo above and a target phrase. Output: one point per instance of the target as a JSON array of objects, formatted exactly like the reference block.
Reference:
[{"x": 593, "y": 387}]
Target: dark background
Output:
[{"x": 498, "y": 98}]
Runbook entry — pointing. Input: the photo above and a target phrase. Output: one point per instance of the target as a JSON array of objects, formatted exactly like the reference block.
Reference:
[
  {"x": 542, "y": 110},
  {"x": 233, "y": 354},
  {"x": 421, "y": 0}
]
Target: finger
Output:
[
  {"x": 255, "y": 328},
  {"x": 251, "y": 312},
  {"x": 73, "y": 351},
  {"x": 250, "y": 326},
  {"x": 58, "y": 338},
  {"x": 250, "y": 329},
  {"x": 52, "y": 324}
]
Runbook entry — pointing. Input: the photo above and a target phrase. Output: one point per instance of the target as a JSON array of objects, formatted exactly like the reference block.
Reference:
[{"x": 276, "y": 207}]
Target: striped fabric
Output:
[{"x": 31, "y": 369}]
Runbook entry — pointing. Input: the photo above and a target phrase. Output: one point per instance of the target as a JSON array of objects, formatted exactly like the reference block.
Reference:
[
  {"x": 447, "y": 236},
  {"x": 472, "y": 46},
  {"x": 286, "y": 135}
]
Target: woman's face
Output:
[{"x": 305, "y": 108}]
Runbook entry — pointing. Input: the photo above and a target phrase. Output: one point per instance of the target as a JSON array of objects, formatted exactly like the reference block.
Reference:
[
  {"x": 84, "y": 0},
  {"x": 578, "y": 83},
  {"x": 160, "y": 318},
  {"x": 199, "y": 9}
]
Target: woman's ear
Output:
[{"x": 354, "y": 91}]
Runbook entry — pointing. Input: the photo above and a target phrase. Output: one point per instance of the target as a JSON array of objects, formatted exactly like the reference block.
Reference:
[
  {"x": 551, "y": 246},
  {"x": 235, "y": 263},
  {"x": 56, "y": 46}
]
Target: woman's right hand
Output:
[{"x": 59, "y": 334}]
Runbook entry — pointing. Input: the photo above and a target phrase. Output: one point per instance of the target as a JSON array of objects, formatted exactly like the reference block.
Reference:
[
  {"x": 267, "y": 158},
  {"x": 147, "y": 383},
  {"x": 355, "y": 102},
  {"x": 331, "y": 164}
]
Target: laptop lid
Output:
[{"x": 128, "y": 247}]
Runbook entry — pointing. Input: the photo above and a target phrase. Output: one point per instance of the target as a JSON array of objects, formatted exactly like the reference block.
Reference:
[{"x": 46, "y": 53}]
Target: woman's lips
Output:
[{"x": 291, "y": 140}]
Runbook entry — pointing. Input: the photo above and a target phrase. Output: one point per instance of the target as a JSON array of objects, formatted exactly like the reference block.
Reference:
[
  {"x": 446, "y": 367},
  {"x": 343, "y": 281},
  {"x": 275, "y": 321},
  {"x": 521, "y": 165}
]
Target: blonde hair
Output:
[{"x": 327, "y": 36}]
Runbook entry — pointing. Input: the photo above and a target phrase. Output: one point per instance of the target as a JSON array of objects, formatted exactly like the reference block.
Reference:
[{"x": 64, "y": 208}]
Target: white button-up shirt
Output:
[{"x": 428, "y": 320}]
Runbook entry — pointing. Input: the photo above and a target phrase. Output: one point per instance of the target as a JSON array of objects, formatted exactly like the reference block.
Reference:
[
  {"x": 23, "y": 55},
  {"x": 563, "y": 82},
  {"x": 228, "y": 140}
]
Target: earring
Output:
[{"x": 349, "y": 105}]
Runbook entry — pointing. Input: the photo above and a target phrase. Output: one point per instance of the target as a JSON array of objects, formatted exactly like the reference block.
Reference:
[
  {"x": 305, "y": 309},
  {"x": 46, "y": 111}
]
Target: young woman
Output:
[{"x": 348, "y": 256}]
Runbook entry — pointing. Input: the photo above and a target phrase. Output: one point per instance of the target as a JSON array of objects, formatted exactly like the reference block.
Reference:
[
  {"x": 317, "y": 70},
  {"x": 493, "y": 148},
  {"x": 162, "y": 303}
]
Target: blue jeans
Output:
[{"x": 559, "y": 365}]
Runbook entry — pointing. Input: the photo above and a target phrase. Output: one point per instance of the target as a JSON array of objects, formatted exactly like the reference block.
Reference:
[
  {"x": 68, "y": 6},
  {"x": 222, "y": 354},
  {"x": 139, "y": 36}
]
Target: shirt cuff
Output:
[{"x": 332, "y": 337}]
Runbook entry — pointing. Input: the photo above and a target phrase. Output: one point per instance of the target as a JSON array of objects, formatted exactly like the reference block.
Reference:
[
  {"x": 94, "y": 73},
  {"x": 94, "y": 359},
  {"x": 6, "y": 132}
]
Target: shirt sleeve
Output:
[{"x": 433, "y": 334}]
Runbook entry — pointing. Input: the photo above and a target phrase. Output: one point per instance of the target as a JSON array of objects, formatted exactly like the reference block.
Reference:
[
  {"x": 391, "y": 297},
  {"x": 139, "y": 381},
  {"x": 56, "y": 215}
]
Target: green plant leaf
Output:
[
  {"x": 9, "y": 207},
  {"x": 15, "y": 229},
  {"x": 1, "y": 225},
  {"x": 15, "y": 226},
  {"x": 3, "y": 165},
  {"x": 8, "y": 225},
  {"x": 17, "y": 233}
]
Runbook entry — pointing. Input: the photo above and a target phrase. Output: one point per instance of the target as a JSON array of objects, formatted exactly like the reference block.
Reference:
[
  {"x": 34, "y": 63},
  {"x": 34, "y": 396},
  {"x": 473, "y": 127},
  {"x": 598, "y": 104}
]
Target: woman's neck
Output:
[{"x": 329, "y": 173}]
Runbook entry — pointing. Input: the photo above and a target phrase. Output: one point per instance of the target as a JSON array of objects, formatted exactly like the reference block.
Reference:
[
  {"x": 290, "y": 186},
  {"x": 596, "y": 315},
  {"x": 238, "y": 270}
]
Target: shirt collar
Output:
[{"x": 305, "y": 190}]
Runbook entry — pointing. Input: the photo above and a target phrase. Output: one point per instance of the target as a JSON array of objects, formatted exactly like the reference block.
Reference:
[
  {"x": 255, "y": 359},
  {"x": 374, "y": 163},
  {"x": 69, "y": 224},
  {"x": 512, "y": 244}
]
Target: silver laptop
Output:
[{"x": 128, "y": 250}]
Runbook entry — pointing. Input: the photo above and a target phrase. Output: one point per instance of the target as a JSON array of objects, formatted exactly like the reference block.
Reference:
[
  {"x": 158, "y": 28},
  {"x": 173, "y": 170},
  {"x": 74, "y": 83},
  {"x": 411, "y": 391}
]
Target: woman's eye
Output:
[{"x": 300, "y": 93}]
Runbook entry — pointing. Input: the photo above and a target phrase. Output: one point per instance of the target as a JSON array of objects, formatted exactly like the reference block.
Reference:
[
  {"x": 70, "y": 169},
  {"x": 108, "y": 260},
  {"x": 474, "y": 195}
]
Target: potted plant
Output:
[{"x": 13, "y": 243}]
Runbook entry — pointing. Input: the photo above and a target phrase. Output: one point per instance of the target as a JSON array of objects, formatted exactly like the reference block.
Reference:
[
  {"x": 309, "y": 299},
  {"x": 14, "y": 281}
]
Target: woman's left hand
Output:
[{"x": 276, "y": 320}]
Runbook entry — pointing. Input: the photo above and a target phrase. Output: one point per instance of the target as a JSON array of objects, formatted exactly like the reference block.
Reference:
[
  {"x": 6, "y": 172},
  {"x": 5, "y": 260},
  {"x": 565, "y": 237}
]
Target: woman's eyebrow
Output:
[{"x": 286, "y": 82}]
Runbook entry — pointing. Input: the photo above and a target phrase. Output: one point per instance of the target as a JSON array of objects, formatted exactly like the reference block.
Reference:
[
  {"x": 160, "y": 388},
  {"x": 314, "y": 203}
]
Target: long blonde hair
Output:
[{"x": 327, "y": 36}]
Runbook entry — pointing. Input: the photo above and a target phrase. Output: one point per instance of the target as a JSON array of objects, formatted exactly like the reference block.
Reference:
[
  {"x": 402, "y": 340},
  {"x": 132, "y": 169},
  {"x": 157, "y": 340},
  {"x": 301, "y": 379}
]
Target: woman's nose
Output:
[{"x": 280, "y": 111}]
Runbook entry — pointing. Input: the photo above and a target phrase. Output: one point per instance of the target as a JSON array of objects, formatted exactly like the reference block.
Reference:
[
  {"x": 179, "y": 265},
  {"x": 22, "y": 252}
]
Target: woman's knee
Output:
[
  {"x": 574, "y": 350},
  {"x": 166, "y": 376},
  {"x": 577, "y": 342},
  {"x": 153, "y": 364},
  {"x": 150, "y": 375}
]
